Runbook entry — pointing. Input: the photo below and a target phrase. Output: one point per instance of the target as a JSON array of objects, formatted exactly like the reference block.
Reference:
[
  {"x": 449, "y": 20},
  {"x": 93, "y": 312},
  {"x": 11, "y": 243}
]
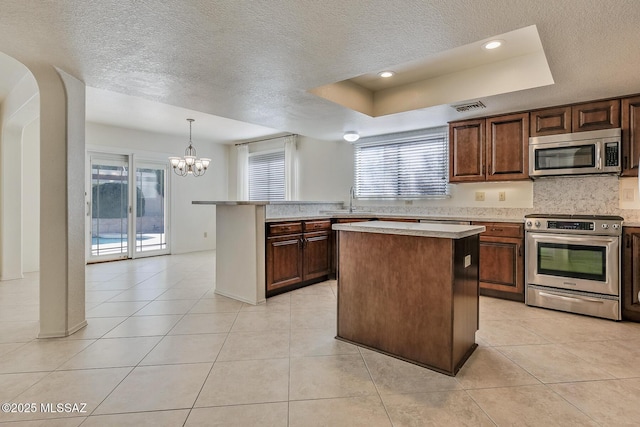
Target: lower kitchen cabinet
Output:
[
  {"x": 631, "y": 274},
  {"x": 317, "y": 254},
  {"x": 502, "y": 260},
  {"x": 297, "y": 254},
  {"x": 284, "y": 261}
]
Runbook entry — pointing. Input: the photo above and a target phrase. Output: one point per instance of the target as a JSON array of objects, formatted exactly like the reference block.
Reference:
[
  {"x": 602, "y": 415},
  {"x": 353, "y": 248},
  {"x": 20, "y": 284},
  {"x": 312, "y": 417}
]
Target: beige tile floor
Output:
[{"x": 161, "y": 349}]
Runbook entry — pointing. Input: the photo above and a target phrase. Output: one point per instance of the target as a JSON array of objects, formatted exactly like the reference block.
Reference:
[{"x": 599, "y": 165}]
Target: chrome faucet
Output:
[{"x": 351, "y": 196}]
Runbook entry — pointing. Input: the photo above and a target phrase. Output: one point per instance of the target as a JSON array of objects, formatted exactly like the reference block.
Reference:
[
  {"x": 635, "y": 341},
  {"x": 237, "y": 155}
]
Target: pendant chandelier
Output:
[{"x": 189, "y": 164}]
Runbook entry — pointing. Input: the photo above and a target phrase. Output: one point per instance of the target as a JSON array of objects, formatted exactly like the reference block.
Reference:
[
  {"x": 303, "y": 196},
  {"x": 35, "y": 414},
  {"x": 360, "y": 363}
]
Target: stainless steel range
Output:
[{"x": 572, "y": 263}]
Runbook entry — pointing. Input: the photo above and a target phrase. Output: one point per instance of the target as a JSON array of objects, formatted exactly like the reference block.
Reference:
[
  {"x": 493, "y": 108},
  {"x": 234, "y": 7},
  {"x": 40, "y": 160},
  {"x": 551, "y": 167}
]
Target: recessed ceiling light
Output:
[
  {"x": 492, "y": 44},
  {"x": 386, "y": 74},
  {"x": 351, "y": 136}
]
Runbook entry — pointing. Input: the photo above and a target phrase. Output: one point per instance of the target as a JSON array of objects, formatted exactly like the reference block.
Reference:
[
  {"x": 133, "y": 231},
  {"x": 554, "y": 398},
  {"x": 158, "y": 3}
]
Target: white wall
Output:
[
  {"x": 188, "y": 222},
  {"x": 19, "y": 109},
  {"x": 325, "y": 169}
]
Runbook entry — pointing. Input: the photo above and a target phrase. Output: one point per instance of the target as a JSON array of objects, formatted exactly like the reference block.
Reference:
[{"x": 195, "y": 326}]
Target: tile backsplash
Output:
[{"x": 586, "y": 195}]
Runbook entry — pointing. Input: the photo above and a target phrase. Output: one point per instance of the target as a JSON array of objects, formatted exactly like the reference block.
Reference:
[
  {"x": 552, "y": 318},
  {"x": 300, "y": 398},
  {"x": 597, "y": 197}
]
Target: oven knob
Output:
[
  {"x": 605, "y": 226},
  {"x": 537, "y": 223},
  {"x": 529, "y": 224},
  {"x": 616, "y": 226}
]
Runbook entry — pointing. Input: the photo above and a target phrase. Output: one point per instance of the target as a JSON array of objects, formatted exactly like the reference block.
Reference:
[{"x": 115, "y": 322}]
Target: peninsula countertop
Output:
[{"x": 446, "y": 231}]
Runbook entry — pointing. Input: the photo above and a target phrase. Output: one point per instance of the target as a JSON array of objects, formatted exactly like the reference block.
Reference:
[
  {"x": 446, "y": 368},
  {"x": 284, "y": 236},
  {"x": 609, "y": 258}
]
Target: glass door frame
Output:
[
  {"x": 132, "y": 160},
  {"x": 138, "y": 161}
]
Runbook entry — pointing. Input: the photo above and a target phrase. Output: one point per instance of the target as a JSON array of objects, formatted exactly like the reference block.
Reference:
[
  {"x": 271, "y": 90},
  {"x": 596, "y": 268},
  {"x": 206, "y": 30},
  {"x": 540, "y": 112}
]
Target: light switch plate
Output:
[{"x": 467, "y": 261}]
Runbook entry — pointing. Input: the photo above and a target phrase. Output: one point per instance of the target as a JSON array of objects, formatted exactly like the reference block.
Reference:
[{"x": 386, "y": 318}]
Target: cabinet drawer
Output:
[
  {"x": 323, "y": 224},
  {"x": 285, "y": 228},
  {"x": 502, "y": 229}
]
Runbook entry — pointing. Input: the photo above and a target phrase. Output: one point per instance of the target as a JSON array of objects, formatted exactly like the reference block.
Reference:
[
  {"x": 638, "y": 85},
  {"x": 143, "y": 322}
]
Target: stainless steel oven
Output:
[{"x": 573, "y": 263}]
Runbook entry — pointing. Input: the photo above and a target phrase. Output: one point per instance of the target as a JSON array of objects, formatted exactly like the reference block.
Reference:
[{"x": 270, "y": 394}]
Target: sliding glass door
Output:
[
  {"x": 151, "y": 207},
  {"x": 109, "y": 207},
  {"x": 127, "y": 211}
]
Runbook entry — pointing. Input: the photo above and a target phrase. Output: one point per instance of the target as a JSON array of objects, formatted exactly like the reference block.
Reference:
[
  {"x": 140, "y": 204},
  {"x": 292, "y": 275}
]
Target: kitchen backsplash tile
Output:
[{"x": 588, "y": 195}]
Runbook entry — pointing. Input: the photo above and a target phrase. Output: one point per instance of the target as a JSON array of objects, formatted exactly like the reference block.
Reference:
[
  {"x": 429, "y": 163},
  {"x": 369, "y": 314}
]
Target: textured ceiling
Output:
[{"x": 254, "y": 62}]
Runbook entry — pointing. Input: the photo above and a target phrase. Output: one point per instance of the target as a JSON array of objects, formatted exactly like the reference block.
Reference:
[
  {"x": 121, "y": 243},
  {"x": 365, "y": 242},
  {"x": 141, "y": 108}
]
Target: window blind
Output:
[
  {"x": 406, "y": 165},
  {"x": 266, "y": 175}
]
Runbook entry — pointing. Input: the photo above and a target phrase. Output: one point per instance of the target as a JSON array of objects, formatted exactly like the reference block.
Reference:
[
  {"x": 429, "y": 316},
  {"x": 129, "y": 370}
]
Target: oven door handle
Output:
[{"x": 566, "y": 298}]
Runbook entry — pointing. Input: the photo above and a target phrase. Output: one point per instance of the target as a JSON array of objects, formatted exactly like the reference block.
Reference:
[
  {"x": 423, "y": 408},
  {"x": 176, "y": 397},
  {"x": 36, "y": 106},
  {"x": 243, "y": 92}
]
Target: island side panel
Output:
[
  {"x": 465, "y": 298},
  {"x": 395, "y": 295},
  {"x": 240, "y": 252}
]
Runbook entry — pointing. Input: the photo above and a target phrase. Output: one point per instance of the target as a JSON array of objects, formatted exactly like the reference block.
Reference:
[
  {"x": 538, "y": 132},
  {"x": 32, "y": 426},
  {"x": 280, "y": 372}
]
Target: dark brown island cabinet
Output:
[
  {"x": 409, "y": 290},
  {"x": 631, "y": 274},
  {"x": 298, "y": 253}
]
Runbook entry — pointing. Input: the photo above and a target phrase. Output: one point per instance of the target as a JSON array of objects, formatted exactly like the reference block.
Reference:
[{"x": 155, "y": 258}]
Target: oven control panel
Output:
[
  {"x": 571, "y": 225},
  {"x": 604, "y": 225}
]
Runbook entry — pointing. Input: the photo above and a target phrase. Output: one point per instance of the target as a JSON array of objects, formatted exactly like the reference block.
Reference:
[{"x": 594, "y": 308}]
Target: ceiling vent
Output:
[{"x": 470, "y": 106}]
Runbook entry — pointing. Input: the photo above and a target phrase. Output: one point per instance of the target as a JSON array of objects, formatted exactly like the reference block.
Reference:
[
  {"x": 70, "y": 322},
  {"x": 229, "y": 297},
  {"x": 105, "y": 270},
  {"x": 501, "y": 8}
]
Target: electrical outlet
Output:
[
  {"x": 628, "y": 194},
  {"x": 205, "y": 234},
  {"x": 479, "y": 196},
  {"x": 502, "y": 196},
  {"x": 408, "y": 202}
]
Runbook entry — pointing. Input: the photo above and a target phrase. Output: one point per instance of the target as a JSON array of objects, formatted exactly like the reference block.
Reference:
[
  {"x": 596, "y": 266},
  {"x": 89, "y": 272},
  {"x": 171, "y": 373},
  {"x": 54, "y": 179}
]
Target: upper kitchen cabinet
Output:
[
  {"x": 493, "y": 149},
  {"x": 550, "y": 121},
  {"x": 576, "y": 118},
  {"x": 466, "y": 151},
  {"x": 595, "y": 115},
  {"x": 508, "y": 147},
  {"x": 630, "y": 136}
]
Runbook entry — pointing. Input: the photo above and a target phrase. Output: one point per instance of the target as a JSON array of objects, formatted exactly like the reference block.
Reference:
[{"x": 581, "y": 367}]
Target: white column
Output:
[{"x": 62, "y": 164}]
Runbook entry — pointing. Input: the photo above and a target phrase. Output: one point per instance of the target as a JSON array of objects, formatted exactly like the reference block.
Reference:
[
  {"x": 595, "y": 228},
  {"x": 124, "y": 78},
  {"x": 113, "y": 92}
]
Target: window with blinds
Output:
[
  {"x": 266, "y": 175},
  {"x": 408, "y": 165}
]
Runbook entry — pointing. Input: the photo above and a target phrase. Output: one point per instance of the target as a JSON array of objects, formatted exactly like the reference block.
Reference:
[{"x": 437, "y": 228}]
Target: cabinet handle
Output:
[
  {"x": 496, "y": 229},
  {"x": 519, "y": 250},
  {"x": 626, "y": 162},
  {"x": 628, "y": 239}
]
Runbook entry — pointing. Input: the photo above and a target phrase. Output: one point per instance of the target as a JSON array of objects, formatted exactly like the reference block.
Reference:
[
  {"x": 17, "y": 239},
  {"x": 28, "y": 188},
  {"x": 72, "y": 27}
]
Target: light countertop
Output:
[
  {"x": 446, "y": 231},
  {"x": 259, "y": 202}
]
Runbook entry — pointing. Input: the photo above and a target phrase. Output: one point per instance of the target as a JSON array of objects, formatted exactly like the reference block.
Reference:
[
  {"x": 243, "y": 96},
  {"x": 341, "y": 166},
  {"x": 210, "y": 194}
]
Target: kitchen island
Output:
[{"x": 410, "y": 290}]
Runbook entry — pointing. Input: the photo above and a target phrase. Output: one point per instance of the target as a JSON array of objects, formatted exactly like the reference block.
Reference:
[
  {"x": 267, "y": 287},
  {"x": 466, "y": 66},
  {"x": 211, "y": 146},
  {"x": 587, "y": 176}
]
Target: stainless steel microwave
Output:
[{"x": 593, "y": 152}]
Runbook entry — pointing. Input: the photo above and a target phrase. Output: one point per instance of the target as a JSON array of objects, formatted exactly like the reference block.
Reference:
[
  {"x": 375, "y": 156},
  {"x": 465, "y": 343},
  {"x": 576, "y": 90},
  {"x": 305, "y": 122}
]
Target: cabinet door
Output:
[
  {"x": 508, "y": 147},
  {"x": 551, "y": 121},
  {"x": 502, "y": 266},
  {"x": 466, "y": 151},
  {"x": 630, "y": 136},
  {"x": 284, "y": 261},
  {"x": 595, "y": 115},
  {"x": 317, "y": 254},
  {"x": 631, "y": 274}
]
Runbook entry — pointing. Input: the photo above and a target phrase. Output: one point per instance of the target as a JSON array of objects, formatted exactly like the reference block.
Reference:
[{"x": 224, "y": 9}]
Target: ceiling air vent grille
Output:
[{"x": 470, "y": 106}]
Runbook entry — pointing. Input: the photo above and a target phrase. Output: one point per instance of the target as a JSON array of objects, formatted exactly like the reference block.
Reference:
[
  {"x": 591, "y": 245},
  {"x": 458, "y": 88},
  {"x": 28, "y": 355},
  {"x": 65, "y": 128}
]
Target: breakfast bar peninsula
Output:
[{"x": 410, "y": 290}]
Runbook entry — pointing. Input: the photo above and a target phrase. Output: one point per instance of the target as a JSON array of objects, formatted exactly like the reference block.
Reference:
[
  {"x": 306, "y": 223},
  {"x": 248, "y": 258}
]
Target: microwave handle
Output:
[{"x": 598, "y": 156}]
